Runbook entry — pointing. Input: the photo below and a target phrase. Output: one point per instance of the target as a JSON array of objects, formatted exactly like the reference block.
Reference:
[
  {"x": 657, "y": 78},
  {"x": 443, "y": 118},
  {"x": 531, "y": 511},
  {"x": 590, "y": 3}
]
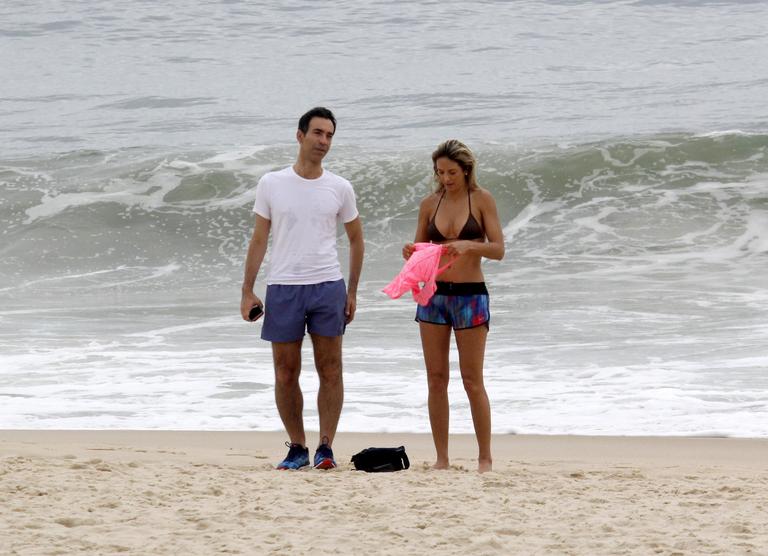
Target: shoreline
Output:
[
  {"x": 173, "y": 492},
  {"x": 265, "y": 444}
]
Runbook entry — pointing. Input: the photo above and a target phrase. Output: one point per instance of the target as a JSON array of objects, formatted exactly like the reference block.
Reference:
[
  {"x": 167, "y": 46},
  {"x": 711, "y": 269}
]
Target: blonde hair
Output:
[{"x": 459, "y": 153}]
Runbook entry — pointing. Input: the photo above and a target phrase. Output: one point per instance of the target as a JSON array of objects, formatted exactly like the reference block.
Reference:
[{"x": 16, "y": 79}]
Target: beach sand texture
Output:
[{"x": 124, "y": 492}]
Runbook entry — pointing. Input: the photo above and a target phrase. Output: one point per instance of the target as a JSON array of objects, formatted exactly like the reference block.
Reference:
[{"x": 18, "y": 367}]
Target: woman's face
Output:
[{"x": 450, "y": 174}]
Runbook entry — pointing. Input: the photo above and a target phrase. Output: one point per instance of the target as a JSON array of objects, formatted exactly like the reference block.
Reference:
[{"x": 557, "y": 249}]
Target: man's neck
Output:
[{"x": 308, "y": 170}]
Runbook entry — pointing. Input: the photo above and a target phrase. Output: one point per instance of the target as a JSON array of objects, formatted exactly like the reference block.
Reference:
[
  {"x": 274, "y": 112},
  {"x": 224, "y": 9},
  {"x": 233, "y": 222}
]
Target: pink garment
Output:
[{"x": 422, "y": 268}]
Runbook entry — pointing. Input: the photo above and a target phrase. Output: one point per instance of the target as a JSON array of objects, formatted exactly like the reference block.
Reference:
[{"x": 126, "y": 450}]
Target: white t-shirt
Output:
[{"x": 304, "y": 215}]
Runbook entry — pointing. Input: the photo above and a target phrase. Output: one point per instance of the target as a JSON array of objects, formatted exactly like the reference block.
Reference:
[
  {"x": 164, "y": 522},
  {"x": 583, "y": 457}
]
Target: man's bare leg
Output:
[
  {"x": 330, "y": 395},
  {"x": 288, "y": 396}
]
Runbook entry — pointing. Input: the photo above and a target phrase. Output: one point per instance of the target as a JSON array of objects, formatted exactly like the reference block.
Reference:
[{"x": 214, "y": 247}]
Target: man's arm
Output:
[
  {"x": 257, "y": 248},
  {"x": 356, "y": 251}
]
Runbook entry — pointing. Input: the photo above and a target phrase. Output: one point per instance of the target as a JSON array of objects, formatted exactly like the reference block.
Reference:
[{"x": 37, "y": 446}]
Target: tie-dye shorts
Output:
[{"x": 457, "y": 304}]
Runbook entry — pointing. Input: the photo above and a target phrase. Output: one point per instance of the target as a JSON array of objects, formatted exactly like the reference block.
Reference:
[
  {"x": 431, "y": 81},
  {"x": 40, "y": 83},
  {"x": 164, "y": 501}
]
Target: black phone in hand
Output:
[{"x": 255, "y": 313}]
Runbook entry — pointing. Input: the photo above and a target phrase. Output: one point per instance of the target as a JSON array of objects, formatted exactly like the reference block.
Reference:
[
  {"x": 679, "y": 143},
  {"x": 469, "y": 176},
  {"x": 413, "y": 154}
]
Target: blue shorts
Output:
[
  {"x": 457, "y": 304},
  {"x": 290, "y": 309}
]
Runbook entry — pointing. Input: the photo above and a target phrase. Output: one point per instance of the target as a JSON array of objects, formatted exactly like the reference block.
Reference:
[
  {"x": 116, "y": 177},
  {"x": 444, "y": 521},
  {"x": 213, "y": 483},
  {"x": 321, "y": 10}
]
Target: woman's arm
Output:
[{"x": 421, "y": 227}]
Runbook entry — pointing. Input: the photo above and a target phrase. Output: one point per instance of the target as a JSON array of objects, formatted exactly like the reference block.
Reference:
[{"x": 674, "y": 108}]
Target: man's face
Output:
[{"x": 316, "y": 143}]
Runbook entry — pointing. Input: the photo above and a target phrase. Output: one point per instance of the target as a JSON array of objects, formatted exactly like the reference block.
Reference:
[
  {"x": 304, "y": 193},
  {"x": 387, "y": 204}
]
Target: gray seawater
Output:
[{"x": 626, "y": 144}]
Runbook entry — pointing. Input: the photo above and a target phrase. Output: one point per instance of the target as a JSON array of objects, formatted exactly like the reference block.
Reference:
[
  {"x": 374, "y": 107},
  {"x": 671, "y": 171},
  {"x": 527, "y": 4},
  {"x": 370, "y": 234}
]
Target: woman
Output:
[{"x": 462, "y": 216}]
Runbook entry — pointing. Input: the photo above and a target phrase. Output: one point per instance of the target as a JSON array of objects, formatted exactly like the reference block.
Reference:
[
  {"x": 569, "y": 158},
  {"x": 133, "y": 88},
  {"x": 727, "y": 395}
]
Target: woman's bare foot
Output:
[
  {"x": 441, "y": 464},
  {"x": 484, "y": 465}
]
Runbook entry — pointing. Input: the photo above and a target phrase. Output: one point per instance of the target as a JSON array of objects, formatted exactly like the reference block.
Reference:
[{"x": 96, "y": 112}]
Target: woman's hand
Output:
[
  {"x": 456, "y": 248},
  {"x": 407, "y": 251}
]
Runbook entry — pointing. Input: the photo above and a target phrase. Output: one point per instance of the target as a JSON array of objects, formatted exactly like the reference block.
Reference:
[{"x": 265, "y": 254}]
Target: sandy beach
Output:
[{"x": 110, "y": 492}]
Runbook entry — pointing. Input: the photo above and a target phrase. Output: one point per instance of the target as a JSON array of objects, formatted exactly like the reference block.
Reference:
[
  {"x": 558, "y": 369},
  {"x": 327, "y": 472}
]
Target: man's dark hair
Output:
[{"x": 316, "y": 112}]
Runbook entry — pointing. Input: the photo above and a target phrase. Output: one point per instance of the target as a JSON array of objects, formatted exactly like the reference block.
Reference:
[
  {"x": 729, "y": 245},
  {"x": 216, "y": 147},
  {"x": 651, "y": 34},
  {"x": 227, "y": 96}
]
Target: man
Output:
[{"x": 301, "y": 205}]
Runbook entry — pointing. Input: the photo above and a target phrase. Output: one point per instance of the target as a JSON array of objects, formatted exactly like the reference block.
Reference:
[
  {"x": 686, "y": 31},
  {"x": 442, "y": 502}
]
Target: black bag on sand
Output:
[{"x": 377, "y": 460}]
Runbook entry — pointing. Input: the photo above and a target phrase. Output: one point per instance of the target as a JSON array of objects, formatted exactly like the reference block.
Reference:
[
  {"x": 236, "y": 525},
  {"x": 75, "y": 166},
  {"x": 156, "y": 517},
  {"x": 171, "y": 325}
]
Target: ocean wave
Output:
[{"x": 679, "y": 196}]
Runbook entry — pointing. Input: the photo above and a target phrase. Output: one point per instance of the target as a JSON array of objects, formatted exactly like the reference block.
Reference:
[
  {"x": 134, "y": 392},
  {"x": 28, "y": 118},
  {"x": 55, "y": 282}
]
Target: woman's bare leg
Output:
[
  {"x": 435, "y": 342},
  {"x": 471, "y": 344}
]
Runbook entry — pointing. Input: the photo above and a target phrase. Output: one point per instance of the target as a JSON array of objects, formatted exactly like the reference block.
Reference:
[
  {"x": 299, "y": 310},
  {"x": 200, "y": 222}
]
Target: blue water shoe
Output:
[
  {"x": 324, "y": 456},
  {"x": 298, "y": 457}
]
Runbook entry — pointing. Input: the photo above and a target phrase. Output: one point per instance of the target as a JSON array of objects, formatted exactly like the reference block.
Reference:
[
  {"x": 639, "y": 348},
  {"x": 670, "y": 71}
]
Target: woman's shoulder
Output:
[
  {"x": 430, "y": 201},
  {"x": 483, "y": 197}
]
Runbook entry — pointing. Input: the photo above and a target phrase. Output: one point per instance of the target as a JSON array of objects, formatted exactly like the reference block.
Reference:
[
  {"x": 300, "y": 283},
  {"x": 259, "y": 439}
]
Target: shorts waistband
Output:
[{"x": 461, "y": 288}]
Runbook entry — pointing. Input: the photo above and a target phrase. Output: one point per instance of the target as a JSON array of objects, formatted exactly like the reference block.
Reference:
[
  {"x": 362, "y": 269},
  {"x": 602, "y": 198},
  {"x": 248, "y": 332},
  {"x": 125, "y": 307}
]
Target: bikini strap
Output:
[
  {"x": 438, "y": 205},
  {"x": 447, "y": 265}
]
